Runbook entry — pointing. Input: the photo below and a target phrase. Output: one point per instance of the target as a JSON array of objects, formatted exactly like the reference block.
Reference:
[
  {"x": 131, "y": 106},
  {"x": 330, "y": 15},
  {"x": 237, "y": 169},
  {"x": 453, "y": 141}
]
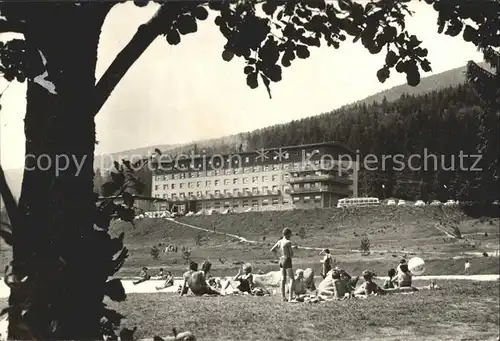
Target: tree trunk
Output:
[{"x": 56, "y": 248}]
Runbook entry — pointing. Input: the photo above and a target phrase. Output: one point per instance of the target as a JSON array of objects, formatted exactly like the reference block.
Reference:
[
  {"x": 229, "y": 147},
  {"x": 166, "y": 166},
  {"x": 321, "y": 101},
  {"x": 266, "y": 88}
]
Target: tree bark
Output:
[{"x": 56, "y": 246}]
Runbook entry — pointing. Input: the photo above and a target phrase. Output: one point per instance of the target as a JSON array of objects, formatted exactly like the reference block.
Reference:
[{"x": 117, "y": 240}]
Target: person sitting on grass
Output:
[
  {"x": 351, "y": 281},
  {"x": 169, "y": 281},
  {"x": 404, "y": 278},
  {"x": 389, "y": 283},
  {"x": 333, "y": 285},
  {"x": 244, "y": 279},
  {"x": 144, "y": 276},
  {"x": 398, "y": 269},
  {"x": 369, "y": 287},
  {"x": 196, "y": 281}
]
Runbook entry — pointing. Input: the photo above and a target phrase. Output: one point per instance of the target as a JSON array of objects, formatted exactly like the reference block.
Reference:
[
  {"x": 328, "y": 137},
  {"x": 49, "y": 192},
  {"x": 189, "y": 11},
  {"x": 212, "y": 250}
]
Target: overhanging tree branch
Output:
[
  {"x": 11, "y": 26},
  {"x": 141, "y": 40}
]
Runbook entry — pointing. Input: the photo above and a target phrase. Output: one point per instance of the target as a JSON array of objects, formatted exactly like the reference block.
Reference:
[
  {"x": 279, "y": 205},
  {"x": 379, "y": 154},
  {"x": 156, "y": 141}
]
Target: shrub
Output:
[
  {"x": 365, "y": 246},
  {"x": 155, "y": 252}
]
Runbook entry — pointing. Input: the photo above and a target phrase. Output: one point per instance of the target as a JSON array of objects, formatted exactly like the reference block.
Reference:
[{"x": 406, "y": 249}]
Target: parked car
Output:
[
  {"x": 391, "y": 202},
  {"x": 401, "y": 203},
  {"x": 436, "y": 203},
  {"x": 419, "y": 203},
  {"x": 451, "y": 203}
]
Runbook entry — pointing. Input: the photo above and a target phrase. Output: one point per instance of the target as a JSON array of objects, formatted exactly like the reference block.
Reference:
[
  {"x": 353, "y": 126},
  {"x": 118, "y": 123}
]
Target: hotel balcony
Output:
[
  {"x": 319, "y": 178},
  {"x": 321, "y": 189}
]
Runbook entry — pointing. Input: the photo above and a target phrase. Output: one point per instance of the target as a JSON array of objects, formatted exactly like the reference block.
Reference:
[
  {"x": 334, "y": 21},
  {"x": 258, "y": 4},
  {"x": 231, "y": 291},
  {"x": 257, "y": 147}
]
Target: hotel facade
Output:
[{"x": 303, "y": 176}]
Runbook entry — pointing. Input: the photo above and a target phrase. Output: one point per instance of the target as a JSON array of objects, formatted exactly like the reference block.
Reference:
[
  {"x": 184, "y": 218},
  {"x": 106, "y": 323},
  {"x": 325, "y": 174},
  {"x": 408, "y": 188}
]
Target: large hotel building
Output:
[{"x": 304, "y": 176}]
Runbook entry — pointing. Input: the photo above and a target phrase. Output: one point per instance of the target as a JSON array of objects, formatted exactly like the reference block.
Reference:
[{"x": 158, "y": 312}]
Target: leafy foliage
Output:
[
  {"x": 365, "y": 246},
  {"x": 155, "y": 252}
]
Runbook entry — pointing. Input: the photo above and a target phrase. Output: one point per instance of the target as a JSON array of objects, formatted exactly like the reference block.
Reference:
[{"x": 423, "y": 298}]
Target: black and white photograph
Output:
[{"x": 254, "y": 170}]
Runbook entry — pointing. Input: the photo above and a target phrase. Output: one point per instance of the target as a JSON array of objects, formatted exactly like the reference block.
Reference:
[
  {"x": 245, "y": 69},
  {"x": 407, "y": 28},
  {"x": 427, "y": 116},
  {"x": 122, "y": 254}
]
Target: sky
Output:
[{"x": 178, "y": 94}]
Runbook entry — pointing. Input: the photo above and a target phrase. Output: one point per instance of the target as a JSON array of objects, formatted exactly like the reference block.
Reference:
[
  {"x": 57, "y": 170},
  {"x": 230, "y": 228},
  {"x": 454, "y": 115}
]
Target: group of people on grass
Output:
[{"x": 336, "y": 283}]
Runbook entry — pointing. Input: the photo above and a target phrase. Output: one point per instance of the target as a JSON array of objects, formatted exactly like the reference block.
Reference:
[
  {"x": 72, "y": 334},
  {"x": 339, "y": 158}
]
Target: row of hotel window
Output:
[
  {"x": 208, "y": 183},
  {"x": 255, "y": 169},
  {"x": 236, "y": 191},
  {"x": 256, "y": 203}
]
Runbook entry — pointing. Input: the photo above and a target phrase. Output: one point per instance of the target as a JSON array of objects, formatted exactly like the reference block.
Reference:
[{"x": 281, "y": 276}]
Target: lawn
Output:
[{"x": 460, "y": 311}]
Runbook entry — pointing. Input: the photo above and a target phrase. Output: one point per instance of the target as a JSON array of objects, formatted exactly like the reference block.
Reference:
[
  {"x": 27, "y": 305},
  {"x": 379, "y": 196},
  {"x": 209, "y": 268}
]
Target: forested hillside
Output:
[{"x": 444, "y": 123}]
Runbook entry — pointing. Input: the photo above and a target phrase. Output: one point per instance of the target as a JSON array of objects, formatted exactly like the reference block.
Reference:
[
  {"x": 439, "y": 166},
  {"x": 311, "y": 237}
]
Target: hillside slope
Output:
[{"x": 392, "y": 232}]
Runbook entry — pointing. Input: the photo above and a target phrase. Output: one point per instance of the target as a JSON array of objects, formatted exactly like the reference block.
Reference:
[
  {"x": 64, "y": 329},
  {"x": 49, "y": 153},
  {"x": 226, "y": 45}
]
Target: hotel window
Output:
[
  {"x": 276, "y": 167},
  {"x": 227, "y": 204},
  {"x": 275, "y": 188},
  {"x": 190, "y": 194},
  {"x": 247, "y": 170},
  {"x": 226, "y": 182},
  {"x": 256, "y": 168},
  {"x": 245, "y": 203},
  {"x": 226, "y": 191},
  {"x": 182, "y": 195},
  {"x": 208, "y": 183},
  {"x": 198, "y": 184},
  {"x": 296, "y": 199},
  {"x": 173, "y": 186},
  {"x": 235, "y": 191},
  {"x": 176, "y": 176},
  {"x": 306, "y": 185},
  {"x": 207, "y": 193},
  {"x": 217, "y": 172},
  {"x": 236, "y": 170},
  {"x": 266, "y": 168},
  {"x": 317, "y": 198},
  {"x": 285, "y": 176},
  {"x": 217, "y": 204},
  {"x": 157, "y": 187},
  {"x": 229, "y": 171},
  {"x": 296, "y": 165},
  {"x": 235, "y": 204},
  {"x": 181, "y": 185},
  {"x": 265, "y": 189},
  {"x": 287, "y": 155},
  {"x": 255, "y": 203},
  {"x": 255, "y": 179},
  {"x": 274, "y": 178},
  {"x": 190, "y": 184},
  {"x": 317, "y": 184},
  {"x": 200, "y": 174},
  {"x": 264, "y": 178},
  {"x": 165, "y": 177},
  {"x": 182, "y": 175},
  {"x": 285, "y": 202},
  {"x": 217, "y": 192},
  {"x": 307, "y": 199},
  {"x": 198, "y": 193},
  {"x": 255, "y": 189},
  {"x": 275, "y": 202},
  {"x": 286, "y": 166},
  {"x": 245, "y": 180},
  {"x": 265, "y": 202},
  {"x": 165, "y": 187},
  {"x": 296, "y": 186},
  {"x": 247, "y": 159},
  {"x": 245, "y": 189},
  {"x": 235, "y": 181},
  {"x": 194, "y": 174},
  {"x": 209, "y": 173},
  {"x": 217, "y": 182},
  {"x": 173, "y": 195}
]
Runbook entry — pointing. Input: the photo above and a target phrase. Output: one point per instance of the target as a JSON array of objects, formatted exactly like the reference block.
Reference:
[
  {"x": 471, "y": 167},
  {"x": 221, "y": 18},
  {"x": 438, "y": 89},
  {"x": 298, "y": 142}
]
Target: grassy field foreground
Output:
[{"x": 460, "y": 311}]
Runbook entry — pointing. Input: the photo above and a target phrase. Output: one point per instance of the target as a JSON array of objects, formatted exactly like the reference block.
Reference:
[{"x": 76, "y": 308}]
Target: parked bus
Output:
[{"x": 357, "y": 202}]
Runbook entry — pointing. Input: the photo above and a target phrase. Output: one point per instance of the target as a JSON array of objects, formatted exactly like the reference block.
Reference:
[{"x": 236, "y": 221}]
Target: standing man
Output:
[
  {"x": 326, "y": 261},
  {"x": 285, "y": 247},
  {"x": 467, "y": 267}
]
